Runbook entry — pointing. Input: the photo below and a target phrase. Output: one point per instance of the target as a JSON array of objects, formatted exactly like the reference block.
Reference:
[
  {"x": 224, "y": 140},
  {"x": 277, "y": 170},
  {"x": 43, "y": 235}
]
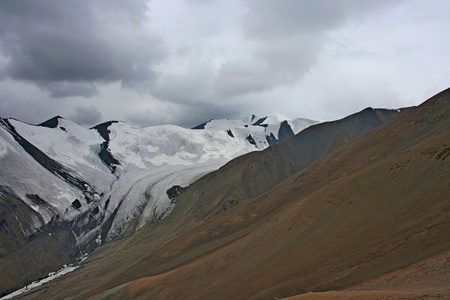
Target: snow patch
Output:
[{"x": 51, "y": 276}]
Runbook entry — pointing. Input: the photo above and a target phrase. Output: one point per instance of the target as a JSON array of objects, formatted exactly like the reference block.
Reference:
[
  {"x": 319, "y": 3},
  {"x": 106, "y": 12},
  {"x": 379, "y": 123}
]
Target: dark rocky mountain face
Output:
[
  {"x": 51, "y": 123},
  {"x": 359, "y": 214},
  {"x": 104, "y": 154}
]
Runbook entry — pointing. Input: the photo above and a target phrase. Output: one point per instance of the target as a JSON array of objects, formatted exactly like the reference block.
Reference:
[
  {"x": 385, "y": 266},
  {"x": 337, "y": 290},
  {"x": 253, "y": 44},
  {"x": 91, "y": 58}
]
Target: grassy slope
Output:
[{"x": 376, "y": 206}]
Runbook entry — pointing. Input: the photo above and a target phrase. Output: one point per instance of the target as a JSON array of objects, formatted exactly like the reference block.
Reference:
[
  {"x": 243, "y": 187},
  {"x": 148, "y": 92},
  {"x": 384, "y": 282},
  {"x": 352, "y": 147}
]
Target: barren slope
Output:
[{"x": 376, "y": 206}]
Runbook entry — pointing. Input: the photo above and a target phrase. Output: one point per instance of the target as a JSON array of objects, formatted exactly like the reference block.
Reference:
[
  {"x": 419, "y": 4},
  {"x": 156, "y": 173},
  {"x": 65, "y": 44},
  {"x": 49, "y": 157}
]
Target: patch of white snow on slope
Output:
[
  {"x": 300, "y": 124},
  {"x": 4, "y": 147},
  {"x": 171, "y": 145},
  {"x": 275, "y": 119},
  {"x": 73, "y": 146},
  {"x": 27, "y": 177}
]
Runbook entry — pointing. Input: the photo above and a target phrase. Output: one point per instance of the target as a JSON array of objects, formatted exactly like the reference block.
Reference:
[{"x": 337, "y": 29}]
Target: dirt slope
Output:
[
  {"x": 253, "y": 174},
  {"x": 374, "y": 208}
]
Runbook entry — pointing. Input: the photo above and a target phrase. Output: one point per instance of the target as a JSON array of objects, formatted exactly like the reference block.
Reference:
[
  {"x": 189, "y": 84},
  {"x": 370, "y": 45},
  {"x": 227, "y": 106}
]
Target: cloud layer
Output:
[
  {"x": 183, "y": 62},
  {"x": 68, "y": 47}
]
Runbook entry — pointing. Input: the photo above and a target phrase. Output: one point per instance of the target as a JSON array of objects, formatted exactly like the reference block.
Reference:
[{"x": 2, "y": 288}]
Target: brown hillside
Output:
[
  {"x": 255, "y": 173},
  {"x": 369, "y": 219}
]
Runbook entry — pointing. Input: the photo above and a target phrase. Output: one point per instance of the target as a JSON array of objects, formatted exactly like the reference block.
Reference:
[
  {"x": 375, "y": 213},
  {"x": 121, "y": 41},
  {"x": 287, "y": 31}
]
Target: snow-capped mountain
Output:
[
  {"x": 114, "y": 178},
  {"x": 261, "y": 132}
]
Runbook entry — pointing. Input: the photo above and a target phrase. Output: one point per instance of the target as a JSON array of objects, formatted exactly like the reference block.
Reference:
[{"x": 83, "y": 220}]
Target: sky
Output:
[{"x": 184, "y": 62}]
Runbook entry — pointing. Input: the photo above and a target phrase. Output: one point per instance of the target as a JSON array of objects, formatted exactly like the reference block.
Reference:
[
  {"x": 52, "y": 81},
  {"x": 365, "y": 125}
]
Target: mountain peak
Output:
[
  {"x": 51, "y": 123},
  {"x": 202, "y": 126}
]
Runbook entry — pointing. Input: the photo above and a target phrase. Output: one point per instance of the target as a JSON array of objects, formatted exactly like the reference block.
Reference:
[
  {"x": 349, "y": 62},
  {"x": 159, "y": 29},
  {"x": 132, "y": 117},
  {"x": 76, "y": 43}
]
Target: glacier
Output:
[{"x": 113, "y": 178}]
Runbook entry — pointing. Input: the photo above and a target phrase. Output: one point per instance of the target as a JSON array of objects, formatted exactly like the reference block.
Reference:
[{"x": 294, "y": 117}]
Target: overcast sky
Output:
[{"x": 187, "y": 61}]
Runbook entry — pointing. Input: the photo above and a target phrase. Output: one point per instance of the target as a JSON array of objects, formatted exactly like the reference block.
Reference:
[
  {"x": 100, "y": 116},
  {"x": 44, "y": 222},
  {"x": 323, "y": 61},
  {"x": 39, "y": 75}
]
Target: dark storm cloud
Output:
[
  {"x": 86, "y": 115},
  {"x": 67, "y": 46},
  {"x": 67, "y": 88},
  {"x": 186, "y": 61}
]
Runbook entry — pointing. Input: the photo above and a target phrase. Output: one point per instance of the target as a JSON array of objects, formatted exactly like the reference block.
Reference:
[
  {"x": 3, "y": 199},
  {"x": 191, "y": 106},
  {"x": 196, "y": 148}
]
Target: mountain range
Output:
[
  {"x": 67, "y": 189},
  {"x": 347, "y": 209}
]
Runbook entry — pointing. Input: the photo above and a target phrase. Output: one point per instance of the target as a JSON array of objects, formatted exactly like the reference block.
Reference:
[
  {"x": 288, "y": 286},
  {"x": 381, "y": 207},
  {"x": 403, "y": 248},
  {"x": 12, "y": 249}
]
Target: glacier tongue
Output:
[{"x": 156, "y": 158}]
